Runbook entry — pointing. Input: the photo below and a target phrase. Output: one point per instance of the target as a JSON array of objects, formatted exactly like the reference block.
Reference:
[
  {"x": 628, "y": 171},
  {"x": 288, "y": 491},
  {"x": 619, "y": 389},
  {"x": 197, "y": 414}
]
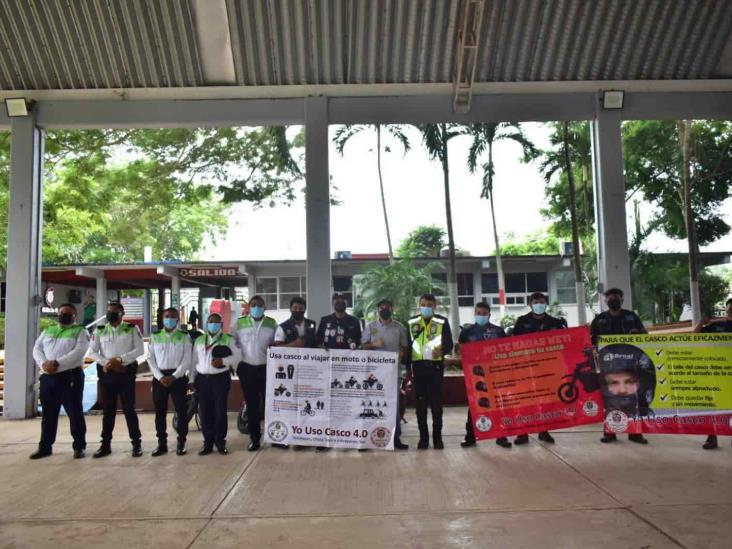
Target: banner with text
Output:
[
  {"x": 337, "y": 398},
  {"x": 667, "y": 383},
  {"x": 531, "y": 383}
]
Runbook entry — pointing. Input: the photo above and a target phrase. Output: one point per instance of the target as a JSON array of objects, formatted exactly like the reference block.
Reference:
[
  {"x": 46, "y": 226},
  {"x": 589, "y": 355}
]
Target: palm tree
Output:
[
  {"x": 435, "y": 138},
  {"x": 485, "y": 137},
  {"x": 344, "y": 133}
]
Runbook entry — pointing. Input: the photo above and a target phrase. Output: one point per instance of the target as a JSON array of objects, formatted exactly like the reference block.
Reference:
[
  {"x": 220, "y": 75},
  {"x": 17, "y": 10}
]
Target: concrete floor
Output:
[{"x": 577, "y": 493}]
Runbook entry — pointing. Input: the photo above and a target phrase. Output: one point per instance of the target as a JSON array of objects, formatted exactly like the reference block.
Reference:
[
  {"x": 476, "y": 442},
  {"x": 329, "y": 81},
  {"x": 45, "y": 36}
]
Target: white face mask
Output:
[{"x": 538, "y": 308}]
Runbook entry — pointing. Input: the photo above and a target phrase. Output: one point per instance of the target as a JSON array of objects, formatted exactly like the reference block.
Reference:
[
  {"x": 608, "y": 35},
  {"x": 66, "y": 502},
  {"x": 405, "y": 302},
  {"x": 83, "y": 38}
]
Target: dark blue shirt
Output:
[
  {"x": 475, "y": 332},
  {"x": 339, "y": 333}
]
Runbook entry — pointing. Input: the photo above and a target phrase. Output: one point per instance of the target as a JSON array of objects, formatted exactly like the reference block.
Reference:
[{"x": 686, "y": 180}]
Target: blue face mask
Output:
[
  {"x": 481, "y": 320},
  {"x": 170, "y": 323},
  {"x": 538, "y": 308},
  {"x": 256, "y": 312},
  {"x": 214, "y": 327},
  {"x": 426, "y": 312}
]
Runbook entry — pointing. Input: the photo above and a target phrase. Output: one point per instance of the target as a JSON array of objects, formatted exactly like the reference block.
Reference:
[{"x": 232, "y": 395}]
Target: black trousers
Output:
[
  {"x": 253, "y": 380},
  {"x": 62, "y": 389},
  {"x": 160, "y": 395},
  {"x": 213, "y": 396},
  {"x": 428, "y": 376},
  {"x": 119, "y": 386}
]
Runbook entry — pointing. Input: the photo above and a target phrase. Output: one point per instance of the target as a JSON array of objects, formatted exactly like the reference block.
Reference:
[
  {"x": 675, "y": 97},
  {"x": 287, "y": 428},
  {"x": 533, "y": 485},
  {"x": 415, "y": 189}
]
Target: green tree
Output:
[
  {"x": 435, "y": 138},
  {"x": 345, "y": 133},
  {"x": 402, "y": 282},
  {"x": 484, "y": 137},
  {"x": 424, "y": 241},
  {"x": 538, "y": 243}
]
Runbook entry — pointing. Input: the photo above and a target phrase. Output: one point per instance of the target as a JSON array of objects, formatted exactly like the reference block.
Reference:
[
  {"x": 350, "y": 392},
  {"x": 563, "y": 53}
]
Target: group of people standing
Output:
[{"x": 204, "y": 365}]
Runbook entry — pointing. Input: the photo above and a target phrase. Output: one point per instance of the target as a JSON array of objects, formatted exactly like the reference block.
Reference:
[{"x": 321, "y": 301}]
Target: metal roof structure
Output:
[{"x": 144, "y": 44}]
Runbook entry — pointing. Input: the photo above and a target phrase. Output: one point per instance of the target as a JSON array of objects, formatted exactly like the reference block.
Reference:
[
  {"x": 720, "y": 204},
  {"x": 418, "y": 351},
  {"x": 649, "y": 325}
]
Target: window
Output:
[
  {"x": 515, "y": 283},
  {"x": 344, "y": 285},
  {"x": 566, "y": 289},
  {"x": 267, "y": 288},
  {"x": 489, "y": 283},
  {"x": 440, "y": 289},
  {"x": 466, "y": 297},
  {"x": 536, "y": 282},
  {"x": 518, "y": 286},
  {"x": 291, "y": 286}
]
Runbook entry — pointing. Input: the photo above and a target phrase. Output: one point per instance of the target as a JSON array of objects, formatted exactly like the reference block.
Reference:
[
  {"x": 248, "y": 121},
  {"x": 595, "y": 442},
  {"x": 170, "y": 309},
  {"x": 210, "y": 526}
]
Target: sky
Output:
[{"x": 415, "y": 196}]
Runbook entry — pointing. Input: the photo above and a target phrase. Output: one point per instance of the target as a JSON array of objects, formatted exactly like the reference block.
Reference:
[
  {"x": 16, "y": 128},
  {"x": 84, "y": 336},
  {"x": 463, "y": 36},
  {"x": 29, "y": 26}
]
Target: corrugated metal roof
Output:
[{"x": 65, "y": 44}]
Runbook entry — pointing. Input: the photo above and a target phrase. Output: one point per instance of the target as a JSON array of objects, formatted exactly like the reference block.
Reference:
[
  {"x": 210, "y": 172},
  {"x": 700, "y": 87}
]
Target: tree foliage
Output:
[
  {"x": 424, "y": 241},
  {"x": 537, "y": 243}
]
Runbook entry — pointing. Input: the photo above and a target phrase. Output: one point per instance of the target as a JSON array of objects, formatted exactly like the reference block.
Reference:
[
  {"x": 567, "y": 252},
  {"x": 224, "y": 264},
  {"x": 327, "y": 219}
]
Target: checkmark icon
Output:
[
  {"x": 659, "y": 352},
  {"x": 663, "y": 381},
  {"x": 659, "y": 367},
  {"x": 664, "y": 397}
]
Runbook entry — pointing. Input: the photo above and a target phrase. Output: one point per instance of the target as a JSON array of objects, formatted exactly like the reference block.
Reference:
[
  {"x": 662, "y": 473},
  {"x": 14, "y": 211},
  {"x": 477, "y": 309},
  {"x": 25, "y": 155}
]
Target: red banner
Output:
[{"x": 531, "y": 383}]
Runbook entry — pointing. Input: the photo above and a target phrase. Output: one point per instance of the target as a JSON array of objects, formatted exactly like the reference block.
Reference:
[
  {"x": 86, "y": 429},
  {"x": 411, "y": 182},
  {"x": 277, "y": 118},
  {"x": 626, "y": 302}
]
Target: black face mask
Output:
[
  {"x": 339, "y": 306},
  {"x": 385, "y": 314},
  {"x": 614, "y": 304},
  {"x": 65, "y": 319},
  {"x": 298, "y": 315},
  {"x": 112, "y": 316}
]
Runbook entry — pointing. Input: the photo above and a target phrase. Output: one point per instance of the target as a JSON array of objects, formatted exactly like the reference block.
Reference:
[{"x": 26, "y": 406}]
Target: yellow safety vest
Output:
[{"x": 425, "y": 337}]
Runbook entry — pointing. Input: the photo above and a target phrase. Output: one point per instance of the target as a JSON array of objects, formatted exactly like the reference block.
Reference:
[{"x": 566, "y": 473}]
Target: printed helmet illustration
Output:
[
  {"x": 481, "y": 386},
  {"x": 483, "y": 402},
  {"x": 624, "y": 358},
  {"x": 478, "y": 370}
]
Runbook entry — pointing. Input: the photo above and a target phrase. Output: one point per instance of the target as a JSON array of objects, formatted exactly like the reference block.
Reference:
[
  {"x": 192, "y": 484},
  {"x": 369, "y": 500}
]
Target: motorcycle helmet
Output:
[{"x": 628, "y": 359}]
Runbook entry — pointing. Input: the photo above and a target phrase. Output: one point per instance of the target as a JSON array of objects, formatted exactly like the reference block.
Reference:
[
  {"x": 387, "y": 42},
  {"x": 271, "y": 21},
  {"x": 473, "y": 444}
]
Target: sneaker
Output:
[
  {"x": 40, "y": 453},
  {"x": 223, "y": 450},
  {"x": 609, "y": 437},
  {"x": 544, "y": 436},
  {"x": 180, "y": 449},
  {"x": 521, "y": 439},
  {"x": 637, "y": 438},
  {"x": 503, "y": 442}
]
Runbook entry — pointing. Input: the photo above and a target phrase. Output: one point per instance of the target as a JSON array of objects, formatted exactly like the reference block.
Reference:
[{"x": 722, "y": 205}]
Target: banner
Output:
[
  {"x": 337, "y": 398},
  {"x": 667, "y": 383},
  {"x": 530, "y": 383}
]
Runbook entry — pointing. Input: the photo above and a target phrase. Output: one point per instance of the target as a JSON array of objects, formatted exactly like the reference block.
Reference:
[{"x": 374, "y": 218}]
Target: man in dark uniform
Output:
[
  {"x": 617, "y": 321},
  {"x": 537, "y": 321},
  {"x": 430, "y": 339},
  {"x": 715, "y": 326},
  {"x": 296, "y": 331},
  {"x": 339, "y": 330},
  {"x": 482, "y": 330}
]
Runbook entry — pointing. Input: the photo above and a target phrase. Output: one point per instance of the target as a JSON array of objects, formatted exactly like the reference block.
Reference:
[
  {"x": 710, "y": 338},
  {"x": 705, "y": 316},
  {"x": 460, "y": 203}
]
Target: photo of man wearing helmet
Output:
[{"x": 628, "y": 380}]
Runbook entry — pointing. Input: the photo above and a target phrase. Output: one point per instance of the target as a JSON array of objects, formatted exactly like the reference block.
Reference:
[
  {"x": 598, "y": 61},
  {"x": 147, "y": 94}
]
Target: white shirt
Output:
[
  {"x": 63, "y": 345},
  {"x": 124, "y": 341},
  {"x": 202, "y": 349},
  {"x": 254, "y": 337},
  {"x": 170, "y": 351}
]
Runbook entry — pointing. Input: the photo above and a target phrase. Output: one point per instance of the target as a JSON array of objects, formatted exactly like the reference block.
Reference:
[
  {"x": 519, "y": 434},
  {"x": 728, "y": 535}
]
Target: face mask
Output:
[
  {"x": 170, "y": 323},
  {"x": 65, "y": 319},
  {"x": 385, "y": 314},
  {"x": 257, "y": 312},
  {"x": 339, "y": 306},
  {"x": 214, "y": 327},
  {"x": 298, "y": 315},
  {"x": 613, "y": 304},
  {"x": 481, "y": 320},
  {"x": 539, "y": 308},
  {"x": 112, "y": 316},
  {"x": 426, "y": 312}
]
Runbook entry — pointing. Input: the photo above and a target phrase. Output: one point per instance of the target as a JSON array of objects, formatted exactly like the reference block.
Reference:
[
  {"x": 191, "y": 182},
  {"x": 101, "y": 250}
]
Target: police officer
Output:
[
  {"x": 213, "y": 354},
  {"x": 254, "y": 334},
  {"x": 430, "y": 339},
  {"x": 59, "y": 353},
  {"x": 617, "y": 321},
  {"x": 481, "y": 330},
  {"x": 715, "y": 326},
  {"x": 387, "y": 334},
  {"x": 115, "y": 347},
  {"x": 339, "y": 330},
  {"x": 169, "y": 358},
  {"x": 296, "y": 331},
  {"x": 536, "y": 320}
]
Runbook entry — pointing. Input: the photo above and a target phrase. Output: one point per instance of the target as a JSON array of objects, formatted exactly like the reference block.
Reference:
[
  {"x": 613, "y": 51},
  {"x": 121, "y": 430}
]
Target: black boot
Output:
[
  {"x": 137, "y": 449},
  {"x": 399, "y": 445},
  {"x": 161, "y": 449},
  {"x": 503, "y": 442},
  {"x": 608, "y": 437},
  {"x": 437, "y": 441},
  {"x": 181, "y": 448},
  {"x": 710, "y": 444},
  {"x": 638, "y": 438},
  {"x": 104, "y": 450},
  {"x": 521, "y": 439},
  {"x": 41, "y": 453}
]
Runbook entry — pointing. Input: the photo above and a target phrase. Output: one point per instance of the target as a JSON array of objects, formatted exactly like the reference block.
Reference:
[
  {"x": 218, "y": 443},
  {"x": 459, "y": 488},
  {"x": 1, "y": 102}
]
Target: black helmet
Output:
[
  {"x": 624, "y": 358},
  {"x": 221, "y": 351}
]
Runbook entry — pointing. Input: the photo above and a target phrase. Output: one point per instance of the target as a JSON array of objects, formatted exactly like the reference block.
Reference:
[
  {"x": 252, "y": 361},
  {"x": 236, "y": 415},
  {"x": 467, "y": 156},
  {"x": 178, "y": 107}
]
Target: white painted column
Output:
[
  {"x": 612, "y": 232},
  {"x": 101, "y": 297},
  {"x": 317, "y": 207},
  {"x": 25, "y": 224},
  {"x": 175, "y": 292}
]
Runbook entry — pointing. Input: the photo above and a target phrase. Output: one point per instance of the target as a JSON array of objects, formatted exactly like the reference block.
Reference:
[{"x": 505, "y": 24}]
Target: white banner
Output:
[{"x": 337, "y": 399}]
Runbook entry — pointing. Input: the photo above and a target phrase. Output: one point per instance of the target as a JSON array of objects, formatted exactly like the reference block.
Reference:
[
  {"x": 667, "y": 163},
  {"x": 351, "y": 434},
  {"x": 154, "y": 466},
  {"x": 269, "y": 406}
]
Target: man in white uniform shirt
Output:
[
  {"x": 115, "y": 347},
  {"x": 254, "y": 335},
  {"x": 169, "y": 358},
  {"x": 59, "y": 353},
  {"x": 213, "y": 354}
]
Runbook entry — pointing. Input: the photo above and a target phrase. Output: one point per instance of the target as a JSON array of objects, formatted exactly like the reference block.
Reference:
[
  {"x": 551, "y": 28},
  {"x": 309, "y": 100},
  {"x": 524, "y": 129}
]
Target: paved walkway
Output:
[{"x": 577, "y": 493}]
